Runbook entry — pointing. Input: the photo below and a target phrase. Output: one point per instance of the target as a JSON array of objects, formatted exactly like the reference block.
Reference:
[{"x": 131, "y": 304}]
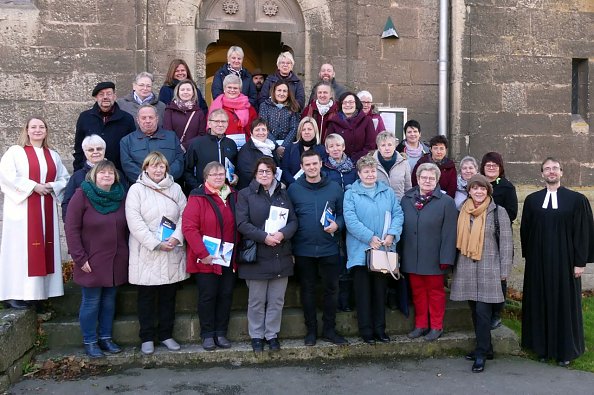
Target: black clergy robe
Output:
[{"x": 554, "y": 241}]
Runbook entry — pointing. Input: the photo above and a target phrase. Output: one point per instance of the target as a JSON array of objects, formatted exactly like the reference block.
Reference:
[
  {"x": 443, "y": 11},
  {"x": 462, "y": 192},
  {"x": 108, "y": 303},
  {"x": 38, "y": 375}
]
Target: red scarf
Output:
[
  {"x": 40, "y": 250},
  {"x": 240, "y": 106}
]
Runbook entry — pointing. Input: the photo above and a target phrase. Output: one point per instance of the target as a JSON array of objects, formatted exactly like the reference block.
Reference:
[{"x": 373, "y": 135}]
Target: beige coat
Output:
[
  {"x": 480, "y": 281},
  {"x": 399, "y": 177},
  {"x": 145, "y": 207}
]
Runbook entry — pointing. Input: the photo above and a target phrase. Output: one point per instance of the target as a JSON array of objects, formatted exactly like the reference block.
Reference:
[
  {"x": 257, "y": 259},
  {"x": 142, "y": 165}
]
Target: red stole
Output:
[{"x": 40, "y": 249}]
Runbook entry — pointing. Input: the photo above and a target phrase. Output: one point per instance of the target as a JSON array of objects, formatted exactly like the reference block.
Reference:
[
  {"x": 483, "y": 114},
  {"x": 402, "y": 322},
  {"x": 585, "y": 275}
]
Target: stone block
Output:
[
  {"x": 532, "y": 69},
  {"x": 477, "y": 70},
  {"x": 73, "y": 11},
  {"x": 71, "y": 87},
  {"x": 482, "y": 97},
  {"x": 19, "y": 86},
  {"x": 421, "y": 98},
  {"x": 551, "y": 25},
  {"x": 487, "y": 47},
  {"x": 119, "y": 36},
  {"x": 533, "y": 46},
  {"x": 411, "y": 49},
  {"x": 535, "y": 125},
  {"x": 18, "y": 330},
  {"x": 393, "y": 73},
  {"x": 120, "y": 12},
  {"x": 19, "y": 26},
  {"x": 575, "y": 48},
  {"x": 429, "y": 22},
  {"x": 549, "y": 99},
  {"x": 497, "y": 22},
  {"x": 424, "y": 73},
  {"x": 61, "y": 35},
  {"x": 514, "y": 98}
]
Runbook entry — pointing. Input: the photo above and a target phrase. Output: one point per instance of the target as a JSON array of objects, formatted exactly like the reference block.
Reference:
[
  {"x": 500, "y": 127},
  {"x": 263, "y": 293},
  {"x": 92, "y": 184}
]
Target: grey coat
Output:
[
  {"x": 481, "y": 280},
  {"x": 128, "y": 104},
  {"x": 251, "y": 212},
  {"x": 428, "y": 235}
]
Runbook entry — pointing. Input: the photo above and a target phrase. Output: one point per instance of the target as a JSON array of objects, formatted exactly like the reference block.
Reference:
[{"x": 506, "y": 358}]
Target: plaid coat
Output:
[{"x": 480, "y": 281}]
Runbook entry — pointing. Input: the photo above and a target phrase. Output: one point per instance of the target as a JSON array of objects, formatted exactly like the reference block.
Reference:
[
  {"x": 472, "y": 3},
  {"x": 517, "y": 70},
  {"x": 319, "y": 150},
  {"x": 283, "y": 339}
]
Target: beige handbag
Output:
[{"x": 383, "y": 261}]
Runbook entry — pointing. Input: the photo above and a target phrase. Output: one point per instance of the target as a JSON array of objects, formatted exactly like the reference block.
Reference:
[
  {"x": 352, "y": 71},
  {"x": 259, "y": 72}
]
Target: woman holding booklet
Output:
[
  {"x": 154, "y": 208},
  {"x": 373, "y": 219},
  {"x": 210, "y": 215},
  {"x": 265, "y": 214}
]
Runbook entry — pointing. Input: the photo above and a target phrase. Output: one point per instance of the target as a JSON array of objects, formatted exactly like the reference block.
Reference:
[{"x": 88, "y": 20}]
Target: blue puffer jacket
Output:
[
  {"x": 291, "y": 162},
  {"x": 282, "y": 122},
  {"x": 342, "y": 179},
  {"x": 364, "y": 218},
  {"x": 309, "y": 200}
]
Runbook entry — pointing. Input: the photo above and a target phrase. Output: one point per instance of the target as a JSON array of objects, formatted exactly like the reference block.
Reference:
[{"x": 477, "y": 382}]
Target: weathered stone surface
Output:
[
  {"x": 18, "y": 329},
  {"x": 424, "y": 73},
  {"x": 73, "y": 11},
  {"x": 532, "y": 69},
  {"x": 514, "y": 98},
  {"x": 549, "y": 99},
  {"x": 114, "y": 36},
  {"x": 482, "y": 97}
]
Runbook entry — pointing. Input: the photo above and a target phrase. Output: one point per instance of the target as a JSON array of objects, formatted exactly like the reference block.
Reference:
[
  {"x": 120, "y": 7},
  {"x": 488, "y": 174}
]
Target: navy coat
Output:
[
  {"x": 248, "y": 87},
  {"x": 291, "y": 162},
  {"x": 295, "y": 85}
]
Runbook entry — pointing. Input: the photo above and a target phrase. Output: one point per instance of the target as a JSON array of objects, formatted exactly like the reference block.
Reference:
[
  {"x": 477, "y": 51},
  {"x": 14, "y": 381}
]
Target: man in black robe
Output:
[{"x": 557, "y": 232}]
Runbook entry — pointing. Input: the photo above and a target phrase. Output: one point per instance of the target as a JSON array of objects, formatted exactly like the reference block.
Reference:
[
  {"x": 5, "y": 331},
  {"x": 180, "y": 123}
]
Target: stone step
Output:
[
  {"x": 65, "y": 331},
  {"x": 505, "y": 341}
]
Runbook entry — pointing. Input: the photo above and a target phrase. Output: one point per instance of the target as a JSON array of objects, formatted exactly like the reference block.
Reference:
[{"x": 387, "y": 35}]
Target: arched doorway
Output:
[{"x": 263, "y": 28}]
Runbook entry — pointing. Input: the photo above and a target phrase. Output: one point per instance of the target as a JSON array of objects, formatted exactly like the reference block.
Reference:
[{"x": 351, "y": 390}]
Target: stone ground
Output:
[{"x": 506, "y": 375}]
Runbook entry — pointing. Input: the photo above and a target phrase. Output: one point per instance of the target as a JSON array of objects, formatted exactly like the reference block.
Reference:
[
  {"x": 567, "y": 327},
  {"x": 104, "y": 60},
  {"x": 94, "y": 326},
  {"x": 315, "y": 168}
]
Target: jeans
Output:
[
  {"x": 329, "y": 269},
  {"x": 164, "y": 296},
  {"x": 215, "y": 294},
  {"x": 481, "y": 318},
  {"x": 96, "y": 313}
]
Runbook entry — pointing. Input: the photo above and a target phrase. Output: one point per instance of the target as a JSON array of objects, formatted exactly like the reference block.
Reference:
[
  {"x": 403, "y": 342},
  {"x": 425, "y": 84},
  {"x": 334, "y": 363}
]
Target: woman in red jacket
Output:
[
  {"x": 211, "y": 212},
  {"x": 355, "y": 127},
  {"x": 448, "y": 181}
]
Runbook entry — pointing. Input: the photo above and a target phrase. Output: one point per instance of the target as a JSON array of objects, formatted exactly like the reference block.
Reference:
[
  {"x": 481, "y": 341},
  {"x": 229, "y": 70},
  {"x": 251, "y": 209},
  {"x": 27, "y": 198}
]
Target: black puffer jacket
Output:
[{"x": 251, "y": 213}]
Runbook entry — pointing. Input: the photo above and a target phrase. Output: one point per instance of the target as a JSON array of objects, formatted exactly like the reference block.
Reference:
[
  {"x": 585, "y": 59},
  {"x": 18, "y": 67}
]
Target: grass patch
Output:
[{"x": 512, "y": 319}]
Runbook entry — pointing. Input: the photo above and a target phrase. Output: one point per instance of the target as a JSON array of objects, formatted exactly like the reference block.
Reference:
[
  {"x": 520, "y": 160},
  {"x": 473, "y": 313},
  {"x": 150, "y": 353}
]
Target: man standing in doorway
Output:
[
  {"x": 315, "y": 246},
  {"x": 557, "y": 231}
]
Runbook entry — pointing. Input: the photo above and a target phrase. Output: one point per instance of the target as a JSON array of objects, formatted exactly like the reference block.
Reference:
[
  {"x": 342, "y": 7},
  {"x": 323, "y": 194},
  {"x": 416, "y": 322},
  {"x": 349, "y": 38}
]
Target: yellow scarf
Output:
[{"x": 470, "y": 238}]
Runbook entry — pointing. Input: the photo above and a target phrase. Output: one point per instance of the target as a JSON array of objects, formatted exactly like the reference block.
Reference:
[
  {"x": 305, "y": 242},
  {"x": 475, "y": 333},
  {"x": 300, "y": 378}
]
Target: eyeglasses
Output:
[
  {"x": 423, "y": 178},
  {"x": 285, "y": 63},
  {"x": 219, "y": 121},
  {"x": 92, "y": 149},
  {"x": 549, "y": 169},
  {"x": 491, "y": 165},
  {"x": 149, "y": 86},
  {"x": 349, "y": 102},
  {"x": 264, "y": 172},
  {"x": 365, "y": 102},
  {"x": 216, "y": 175}
]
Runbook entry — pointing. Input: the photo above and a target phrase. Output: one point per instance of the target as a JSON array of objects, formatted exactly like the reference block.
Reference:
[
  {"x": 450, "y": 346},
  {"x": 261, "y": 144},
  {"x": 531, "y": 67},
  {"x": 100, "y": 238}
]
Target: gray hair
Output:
[
  {"x": 93, "y": 140},
  {"x": 235, "y": 48},
  {"x": 334, "y": 137},
  {"x": 428, "y": 167},
  {"x": 324, "y": 83},
  {"x": 363, "y": 94},
  {"x": 366, "y": 161},
  {"x": 146, "y": 105},
  {"x": 232, "y": 79},
  {"x": 385, "y": 135},
  {"x": 144, "y": 74},
  {"x": 219, "y": 111},
  {"x": 471, "y": 160},
  {"x": 285, "y": 55},
  {"x": 211, "y": 166}
]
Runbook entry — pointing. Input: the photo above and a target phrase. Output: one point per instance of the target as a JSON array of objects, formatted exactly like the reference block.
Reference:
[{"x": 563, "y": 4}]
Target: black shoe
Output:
[
  {"x": 16, "y": 304},
  {"x": 478, "y": 365},
  {"x": 257, "y": 345},
  {"x": 274, "y": 344},
  {"x": 335, "y": 338},
  {"x": 563, "y": 364},
  {"x": 495, "y": 323},
  {"x": 222, "y": 342},
  {"x": 345, "y": 309},
  {"x": 383, "y": 338},
  {"x": 93, "y": 350},
  {"x": 368, "y": 339},
  {"x": 109, "y": 346},
  {"x": 310, "y": 339},
  {"x": 470, "y": 356},
  {"x": 417, "y": 332},
  {"x": 209, "y": 344}
]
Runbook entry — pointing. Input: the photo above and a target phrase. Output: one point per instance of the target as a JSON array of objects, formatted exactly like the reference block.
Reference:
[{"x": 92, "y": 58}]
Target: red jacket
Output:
[
  {"x": 199, "y": 219},
  {"x": 322, "y": 120},
  {"x": 235, "y": 126},
  {"x": 447, "y": 181},
  {"x": 358, "y": 133}
]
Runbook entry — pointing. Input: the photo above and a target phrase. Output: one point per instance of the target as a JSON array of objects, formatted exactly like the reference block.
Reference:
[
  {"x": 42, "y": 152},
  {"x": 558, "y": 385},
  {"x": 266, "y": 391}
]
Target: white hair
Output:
[
  {"x": 93, "y": 140},
  {"x": 363, "y": 94}
]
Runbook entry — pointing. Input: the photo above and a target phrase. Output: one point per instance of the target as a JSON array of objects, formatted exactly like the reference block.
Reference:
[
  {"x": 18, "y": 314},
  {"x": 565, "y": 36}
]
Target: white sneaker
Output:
[
  {"x": 171, "y": 344},
  {"x": 147, "y": 348}
]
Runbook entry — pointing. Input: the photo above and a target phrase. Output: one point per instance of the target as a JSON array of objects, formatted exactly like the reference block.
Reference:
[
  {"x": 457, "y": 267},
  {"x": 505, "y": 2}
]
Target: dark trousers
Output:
[
  {"x": 163, "y": 297},
  {"x": 498, "y": 307},
  {"x": 481, "y": 318},
  {"x": 370, "y": 291},
  {"x": 329, "y": 269},
  {"x": 215, "y": 295}
]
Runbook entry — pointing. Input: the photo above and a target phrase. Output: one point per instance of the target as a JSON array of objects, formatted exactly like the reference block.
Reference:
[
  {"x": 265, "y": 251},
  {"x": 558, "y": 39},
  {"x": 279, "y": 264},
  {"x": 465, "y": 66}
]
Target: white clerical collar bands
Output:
[{"x": 553, "y": 197}]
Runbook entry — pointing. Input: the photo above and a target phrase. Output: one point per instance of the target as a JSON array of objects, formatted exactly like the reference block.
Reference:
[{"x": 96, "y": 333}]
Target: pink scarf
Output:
[{"x": 240, "y": 106}]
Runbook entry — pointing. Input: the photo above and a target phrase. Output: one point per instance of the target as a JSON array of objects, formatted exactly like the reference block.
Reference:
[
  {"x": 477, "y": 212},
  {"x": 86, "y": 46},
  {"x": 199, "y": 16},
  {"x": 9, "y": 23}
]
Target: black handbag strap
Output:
[
  {"x": 215, "y": 207},
  {"x": 497, "y": 229}
]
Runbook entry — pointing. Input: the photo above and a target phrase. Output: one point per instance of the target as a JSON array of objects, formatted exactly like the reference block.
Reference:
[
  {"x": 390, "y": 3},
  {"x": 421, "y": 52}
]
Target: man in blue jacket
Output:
[
  {"x": 148, "y": 138},
  {"x": 316, "y": 247}
]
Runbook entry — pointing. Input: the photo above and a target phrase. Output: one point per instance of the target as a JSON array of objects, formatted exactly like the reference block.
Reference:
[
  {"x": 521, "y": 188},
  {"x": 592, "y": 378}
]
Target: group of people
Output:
[{"x": 166, "y": 187}]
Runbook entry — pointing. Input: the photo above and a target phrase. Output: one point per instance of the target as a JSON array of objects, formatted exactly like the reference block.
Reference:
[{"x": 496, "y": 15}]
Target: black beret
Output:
[{"x": 103, "y": 85}]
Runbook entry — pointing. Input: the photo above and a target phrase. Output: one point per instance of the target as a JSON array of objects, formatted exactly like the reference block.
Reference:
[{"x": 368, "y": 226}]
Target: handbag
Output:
[
  {"x": 383, "y": 261},
  {"x": 248, "y": 250}
]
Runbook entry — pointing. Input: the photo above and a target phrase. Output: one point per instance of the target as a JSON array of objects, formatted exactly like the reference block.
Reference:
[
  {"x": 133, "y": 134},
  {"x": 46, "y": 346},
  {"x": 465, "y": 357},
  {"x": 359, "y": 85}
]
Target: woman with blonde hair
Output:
[
  {"x": 284, "y": 72},
  {"x": 32, "y": 178},
  {"x": 308, "y": 138}
]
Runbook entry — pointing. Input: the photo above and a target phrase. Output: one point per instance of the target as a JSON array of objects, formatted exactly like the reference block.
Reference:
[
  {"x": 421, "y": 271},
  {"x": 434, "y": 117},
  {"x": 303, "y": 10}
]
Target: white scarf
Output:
[
  {"x": 324, "y": 108},
  {"x": 265, "y": 147}
]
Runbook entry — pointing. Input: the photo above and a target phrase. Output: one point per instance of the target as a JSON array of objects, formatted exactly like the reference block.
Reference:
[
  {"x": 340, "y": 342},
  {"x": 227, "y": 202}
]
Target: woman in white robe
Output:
[{"x": 24, "y": 278}]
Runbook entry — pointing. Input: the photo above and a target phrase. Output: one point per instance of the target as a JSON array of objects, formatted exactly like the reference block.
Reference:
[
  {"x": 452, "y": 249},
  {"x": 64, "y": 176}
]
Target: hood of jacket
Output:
[
  {"x": 323, "y": 182},
  {"x": 165, "y": 183},
  {"x": 358, "y": 188}
]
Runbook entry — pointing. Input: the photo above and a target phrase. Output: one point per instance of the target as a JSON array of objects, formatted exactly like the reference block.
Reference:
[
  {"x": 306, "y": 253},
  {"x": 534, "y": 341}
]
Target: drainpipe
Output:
[{"x": 443, "y": 67}]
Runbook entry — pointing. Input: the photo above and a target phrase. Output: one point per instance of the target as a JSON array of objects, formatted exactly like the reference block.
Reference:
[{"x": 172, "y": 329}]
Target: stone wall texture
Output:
[{"x": 510, "y": 63}]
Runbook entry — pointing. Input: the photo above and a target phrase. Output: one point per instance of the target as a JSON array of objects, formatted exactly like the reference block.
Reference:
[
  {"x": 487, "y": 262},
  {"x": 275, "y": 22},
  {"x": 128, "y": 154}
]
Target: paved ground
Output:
[{"x": 508, "y": 375}]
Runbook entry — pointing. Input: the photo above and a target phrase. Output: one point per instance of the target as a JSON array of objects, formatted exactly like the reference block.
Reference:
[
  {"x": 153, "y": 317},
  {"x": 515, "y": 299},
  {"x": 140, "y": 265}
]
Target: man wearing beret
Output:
[{"x": 105, "y": 119}]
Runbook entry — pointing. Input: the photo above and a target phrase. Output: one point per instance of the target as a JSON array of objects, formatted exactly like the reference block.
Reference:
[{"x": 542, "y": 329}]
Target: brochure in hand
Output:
[
  {"x": 327, "y": 215},
  {"x": 220, "y": 251},
  {"x": 277, "y": 219},
  {"x": 166, "y": 228},
  {"x": 229, "y": 169}
]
